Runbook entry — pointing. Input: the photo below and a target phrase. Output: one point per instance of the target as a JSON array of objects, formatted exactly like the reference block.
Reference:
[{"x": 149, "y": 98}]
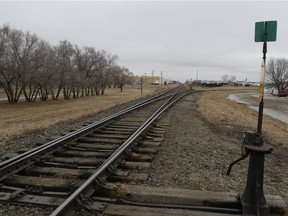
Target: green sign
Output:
[{"x": 265, "y": 31}]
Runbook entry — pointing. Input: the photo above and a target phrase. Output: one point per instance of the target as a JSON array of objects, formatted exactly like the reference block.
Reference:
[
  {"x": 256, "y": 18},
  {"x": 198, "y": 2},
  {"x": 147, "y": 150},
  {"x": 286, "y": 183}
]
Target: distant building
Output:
[
  {"x": 245, "y": 83},
  {"x": 211, "y": 83},
  {"x": 152, "y": 80}
]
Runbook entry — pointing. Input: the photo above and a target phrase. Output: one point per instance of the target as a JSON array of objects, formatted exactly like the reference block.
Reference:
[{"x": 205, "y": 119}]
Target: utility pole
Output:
[
  {"x": 161, "y": 78},
  {"x": 141, "y": 85}
]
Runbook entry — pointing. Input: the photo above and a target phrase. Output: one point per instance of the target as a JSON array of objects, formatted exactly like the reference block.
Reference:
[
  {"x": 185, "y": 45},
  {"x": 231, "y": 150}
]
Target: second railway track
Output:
[{"x": 66, "y": 172}]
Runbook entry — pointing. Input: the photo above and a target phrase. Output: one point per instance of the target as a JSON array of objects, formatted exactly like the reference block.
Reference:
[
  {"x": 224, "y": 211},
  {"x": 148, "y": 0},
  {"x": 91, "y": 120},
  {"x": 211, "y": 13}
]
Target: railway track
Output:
[
  {"x": 99, "y": 170},
  {"x": 67, "y": 172}
]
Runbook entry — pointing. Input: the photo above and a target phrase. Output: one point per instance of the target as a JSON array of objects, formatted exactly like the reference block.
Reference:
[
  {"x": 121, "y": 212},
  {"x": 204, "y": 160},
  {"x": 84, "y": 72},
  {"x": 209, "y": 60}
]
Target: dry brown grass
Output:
[
  {"x": 231, "y": 116},
  {"x": 24, "y": 117}
]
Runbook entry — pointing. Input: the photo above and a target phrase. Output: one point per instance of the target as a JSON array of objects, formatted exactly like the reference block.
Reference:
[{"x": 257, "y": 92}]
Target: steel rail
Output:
[
  {"x": 88, "y": 187},
  {"x": 23, "y": 160}
]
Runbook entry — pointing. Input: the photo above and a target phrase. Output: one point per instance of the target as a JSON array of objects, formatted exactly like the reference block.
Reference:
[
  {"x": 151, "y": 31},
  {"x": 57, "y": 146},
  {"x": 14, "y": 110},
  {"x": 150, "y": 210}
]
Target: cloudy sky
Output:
[{"x": 176, "y": 37}]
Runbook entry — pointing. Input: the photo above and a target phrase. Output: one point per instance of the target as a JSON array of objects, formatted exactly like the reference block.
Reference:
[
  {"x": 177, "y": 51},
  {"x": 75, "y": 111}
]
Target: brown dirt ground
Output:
[{"x": 25, "y": 118}]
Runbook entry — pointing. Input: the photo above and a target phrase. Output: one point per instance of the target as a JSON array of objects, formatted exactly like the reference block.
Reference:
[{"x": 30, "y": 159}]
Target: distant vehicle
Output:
[
  {"x": 283, "y": 93},
  {"x": 155, "y": 83}
]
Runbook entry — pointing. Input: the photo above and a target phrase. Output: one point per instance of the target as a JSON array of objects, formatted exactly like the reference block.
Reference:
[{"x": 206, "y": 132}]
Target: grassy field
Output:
[
  {"x": 232, "y": 117},
  {"x": 24, "y": 117}
]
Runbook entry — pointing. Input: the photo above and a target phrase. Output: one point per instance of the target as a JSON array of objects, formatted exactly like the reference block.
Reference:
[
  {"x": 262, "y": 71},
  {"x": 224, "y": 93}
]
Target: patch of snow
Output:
[
  {"x": 281, "y": 116},
  {"x": 236, "y": 99},
  {"x": 270, "y": 97}
]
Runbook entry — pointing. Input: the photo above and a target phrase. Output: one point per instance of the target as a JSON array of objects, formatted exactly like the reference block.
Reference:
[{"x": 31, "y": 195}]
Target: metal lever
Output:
[
  {"x": 236, "y": 161},
  {"x": 250, "y": 138},
  {"x": 253, "y": 200}
]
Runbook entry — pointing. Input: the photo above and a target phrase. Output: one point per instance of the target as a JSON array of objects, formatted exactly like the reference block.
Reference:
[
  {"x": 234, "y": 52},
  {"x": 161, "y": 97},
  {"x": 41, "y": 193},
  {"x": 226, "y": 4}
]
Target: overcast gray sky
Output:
[{"x": 177, "y": 37}]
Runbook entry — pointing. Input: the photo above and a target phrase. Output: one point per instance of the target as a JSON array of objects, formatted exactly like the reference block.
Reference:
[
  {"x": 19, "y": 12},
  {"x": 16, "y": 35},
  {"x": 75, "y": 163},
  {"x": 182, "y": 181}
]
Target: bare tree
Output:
[
  {"x": 46, "y": 73},
  {"x": 80, "y": 62},
  {"x": 232, "y": 78},
  {"x": 30, "y": 60},
  {"x": 30, "y": 66},
  {"x": 88, "y": 62},
  {"x": 64, "y": 66},
  {"x": 277, "y": 72},
  {"x": 112, "y": 60},
  {"x": 99, "y": 72},
  {"x": 24, "y": 56},
  {"x": 9, "y": 80},
  {"x": 122, "y": 76},
  {"x": 225, "y": 78}
]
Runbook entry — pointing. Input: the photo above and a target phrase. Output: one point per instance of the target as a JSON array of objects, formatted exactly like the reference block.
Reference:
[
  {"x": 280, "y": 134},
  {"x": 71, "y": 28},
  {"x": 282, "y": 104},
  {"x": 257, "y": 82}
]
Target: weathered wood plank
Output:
[
  {"x": 57, "y": 171},
  {"x": 134, "y": 165},
  {"x": 128, "y": 178},
  {"x": 75, "y": 153},
  {"x": 96, "y": 146},
  {"x": 32, "y": 199},
  {"x": 77, "y": 160},
  {"x": 101, "y": 140},
  {"x": 125, "y": 210},
  {"x": 140, "y": 157},
  {"x": 138, "y": 193},
  {"x": 145, "y": 150},
  {"x": 54, "y": 184},
  {"x": 174, "y": 196}
]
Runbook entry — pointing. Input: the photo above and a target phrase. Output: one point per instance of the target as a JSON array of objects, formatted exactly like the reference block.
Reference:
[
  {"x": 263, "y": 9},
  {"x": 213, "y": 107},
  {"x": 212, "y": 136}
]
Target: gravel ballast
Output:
[{"x": 195, "y": 155}]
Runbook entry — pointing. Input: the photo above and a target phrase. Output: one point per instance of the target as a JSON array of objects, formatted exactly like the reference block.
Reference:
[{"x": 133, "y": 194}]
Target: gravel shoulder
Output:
[{"x": 197, "y": 152}]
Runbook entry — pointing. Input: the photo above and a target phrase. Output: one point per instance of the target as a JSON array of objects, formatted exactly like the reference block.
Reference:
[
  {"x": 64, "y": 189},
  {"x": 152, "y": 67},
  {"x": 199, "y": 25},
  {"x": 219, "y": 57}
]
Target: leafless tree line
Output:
[
  {"x": 277, "y": 72},
  {"x": 31, "y": 67},
  {"x": 227, "y": 78}
]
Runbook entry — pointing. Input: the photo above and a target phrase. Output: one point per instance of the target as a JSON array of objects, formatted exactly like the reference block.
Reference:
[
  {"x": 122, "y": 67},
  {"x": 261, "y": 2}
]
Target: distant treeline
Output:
[{"x": 30, "y": 66}]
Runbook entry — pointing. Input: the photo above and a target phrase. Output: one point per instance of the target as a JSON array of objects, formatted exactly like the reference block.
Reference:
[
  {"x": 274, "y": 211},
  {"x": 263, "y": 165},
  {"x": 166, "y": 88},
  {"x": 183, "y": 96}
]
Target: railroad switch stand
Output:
[{"x": 253, "y": 200}]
